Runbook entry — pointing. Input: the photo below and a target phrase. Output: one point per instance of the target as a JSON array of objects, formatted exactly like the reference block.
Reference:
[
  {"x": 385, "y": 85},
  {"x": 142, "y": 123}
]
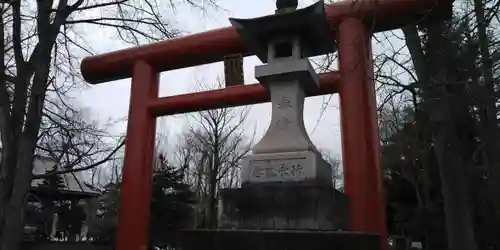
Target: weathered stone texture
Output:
[
  {"x": 283, "y": 206},
  {"x": 290, "y": 167}
]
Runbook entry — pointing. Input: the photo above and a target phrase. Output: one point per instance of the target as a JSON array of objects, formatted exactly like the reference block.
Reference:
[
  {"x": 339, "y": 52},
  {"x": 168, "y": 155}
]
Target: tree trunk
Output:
[
  {"x": 212, "y": 200},
  {"x": 212, "y": 190},
  {"x": 13, "y": 226},
  {"x": 489, "y": 122},
  {"x": 433, "y": 77},
  {"x": 454, "y": 188},
  {"x": 6, "y": 180}
]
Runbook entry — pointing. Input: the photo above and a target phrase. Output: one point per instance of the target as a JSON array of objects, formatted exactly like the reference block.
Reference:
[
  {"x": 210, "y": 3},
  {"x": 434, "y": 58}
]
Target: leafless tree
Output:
[
  {"x": 334, "y": 162},
  {"x": 413, "y": 75},
  {"x": 75, "y": 144},
  {"x": 42, "y": 42},
  {"x": 210, "y": 151},
  {"x": 451, "y": 95}
]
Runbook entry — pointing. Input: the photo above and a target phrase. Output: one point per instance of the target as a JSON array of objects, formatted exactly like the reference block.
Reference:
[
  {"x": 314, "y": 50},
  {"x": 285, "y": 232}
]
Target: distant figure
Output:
[{"x": 286, "y": 4}]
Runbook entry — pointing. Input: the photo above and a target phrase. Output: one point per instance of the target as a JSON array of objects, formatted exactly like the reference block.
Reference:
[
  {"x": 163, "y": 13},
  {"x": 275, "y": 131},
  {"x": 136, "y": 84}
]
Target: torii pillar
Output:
[{"x": 360, "y": 135}]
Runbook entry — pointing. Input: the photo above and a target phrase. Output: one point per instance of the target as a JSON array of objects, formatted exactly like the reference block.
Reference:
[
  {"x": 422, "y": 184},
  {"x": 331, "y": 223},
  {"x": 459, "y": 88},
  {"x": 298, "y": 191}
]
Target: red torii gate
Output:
[{"x": 352, "y": 23}]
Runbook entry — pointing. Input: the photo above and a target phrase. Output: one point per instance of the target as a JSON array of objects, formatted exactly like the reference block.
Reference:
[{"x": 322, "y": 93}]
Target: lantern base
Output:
[
  {"x": 283, "y": 206},
  {"x": 277, "y": 240}
]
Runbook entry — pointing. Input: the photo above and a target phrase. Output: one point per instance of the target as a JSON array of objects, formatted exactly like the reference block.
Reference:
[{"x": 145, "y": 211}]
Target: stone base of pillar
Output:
[
  {"x": 283, "y": 206},
  {"x": 276, "y": 240}
]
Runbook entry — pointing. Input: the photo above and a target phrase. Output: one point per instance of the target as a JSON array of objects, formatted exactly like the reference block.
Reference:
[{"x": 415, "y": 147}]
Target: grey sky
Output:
[{"x": 111, "y": 100}]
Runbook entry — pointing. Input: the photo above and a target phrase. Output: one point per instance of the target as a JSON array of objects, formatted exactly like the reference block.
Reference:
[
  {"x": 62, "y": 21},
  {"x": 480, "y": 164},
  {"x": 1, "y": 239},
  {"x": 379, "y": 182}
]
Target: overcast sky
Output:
[{"x": 111, "y": 100}]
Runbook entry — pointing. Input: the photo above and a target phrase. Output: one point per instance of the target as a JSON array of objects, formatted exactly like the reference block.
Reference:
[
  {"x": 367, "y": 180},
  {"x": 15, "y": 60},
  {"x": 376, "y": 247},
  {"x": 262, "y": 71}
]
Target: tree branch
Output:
[{"x": 69, "y": 169}]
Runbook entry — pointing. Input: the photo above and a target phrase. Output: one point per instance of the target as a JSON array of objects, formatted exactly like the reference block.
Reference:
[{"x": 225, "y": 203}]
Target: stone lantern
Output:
[
  {"x": 286, "y": 184},
  {"x": 285, "y": 41}
]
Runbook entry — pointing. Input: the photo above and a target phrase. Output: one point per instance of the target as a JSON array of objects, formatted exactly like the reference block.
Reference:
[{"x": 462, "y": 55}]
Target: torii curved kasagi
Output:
[{"x": 352, "y": 22}]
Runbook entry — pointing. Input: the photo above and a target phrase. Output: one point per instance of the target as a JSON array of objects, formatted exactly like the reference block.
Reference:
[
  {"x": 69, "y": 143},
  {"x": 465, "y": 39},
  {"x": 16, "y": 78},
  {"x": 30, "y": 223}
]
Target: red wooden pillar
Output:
[
  {"x": 360, "y": 135},
  {"x": 133, "y": 221}
]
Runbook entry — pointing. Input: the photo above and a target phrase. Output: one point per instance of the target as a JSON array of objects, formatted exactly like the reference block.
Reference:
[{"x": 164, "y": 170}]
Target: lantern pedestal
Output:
[
  {"x": 283, "y": 206},
  {"x": 277, "y": 240}
]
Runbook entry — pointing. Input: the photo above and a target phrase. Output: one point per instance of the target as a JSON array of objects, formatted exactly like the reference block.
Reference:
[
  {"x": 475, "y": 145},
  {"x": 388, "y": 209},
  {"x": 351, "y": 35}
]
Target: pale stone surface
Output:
[
  {"x": 286, "y": 79},
  {"x": 286, "y": 167},
  {"x": 286, "y": 132},
  {"x": 290, "y": 69},
  {"x": 286, "y": 153}
]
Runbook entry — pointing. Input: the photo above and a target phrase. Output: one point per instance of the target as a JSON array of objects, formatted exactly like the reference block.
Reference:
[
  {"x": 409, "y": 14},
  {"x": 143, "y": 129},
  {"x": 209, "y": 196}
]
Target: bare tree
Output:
[
  {"x": 485, "y": 12},
  {"x": 41, "y": 41},
  {"x": 210, "y": 152},
  {"x": 334, "y": 162},
  {"x": 72, "y": 142}
]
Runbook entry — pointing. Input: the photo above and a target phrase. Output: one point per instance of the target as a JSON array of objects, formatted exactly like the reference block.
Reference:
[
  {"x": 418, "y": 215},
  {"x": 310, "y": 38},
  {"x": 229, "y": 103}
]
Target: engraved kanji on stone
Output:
[
  {"x": 283, "y": 123},
  {"x": 296, "y": 169},
  {"x": 284, "y": 170},
  {"x": 270, "y": 172},
  {"x": 285, "y": 103},
  {"x": 257, "y": 172}
]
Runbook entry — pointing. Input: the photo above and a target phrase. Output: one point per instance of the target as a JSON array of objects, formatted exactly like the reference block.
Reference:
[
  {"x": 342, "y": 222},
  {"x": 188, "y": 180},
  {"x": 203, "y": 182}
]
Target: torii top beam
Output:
[{"x": 212, "y": 46}]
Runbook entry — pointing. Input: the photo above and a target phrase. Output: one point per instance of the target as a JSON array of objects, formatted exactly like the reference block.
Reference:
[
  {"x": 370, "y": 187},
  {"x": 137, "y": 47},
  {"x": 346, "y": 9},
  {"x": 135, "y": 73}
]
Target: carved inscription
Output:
[
  {"x": 275, "y": 170},
  {"x": 283, "y": 123},
  {"x": 284, "y": 102}
]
